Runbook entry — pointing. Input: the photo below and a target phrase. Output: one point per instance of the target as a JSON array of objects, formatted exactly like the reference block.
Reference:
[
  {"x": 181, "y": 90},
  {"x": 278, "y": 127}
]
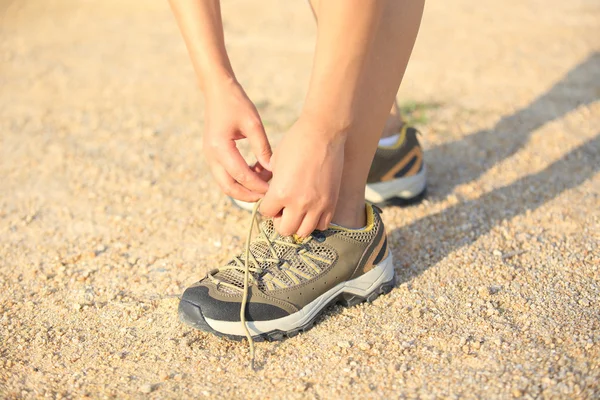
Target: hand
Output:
[
  {"x": 307, "y": 171},
  {"x": 231, "y": 116}
]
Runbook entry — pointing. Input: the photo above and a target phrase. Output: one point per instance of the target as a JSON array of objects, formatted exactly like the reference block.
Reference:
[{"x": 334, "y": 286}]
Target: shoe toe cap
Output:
[
  {"x": 197, "y": 303},
  {"x": 191, "y": 314}
]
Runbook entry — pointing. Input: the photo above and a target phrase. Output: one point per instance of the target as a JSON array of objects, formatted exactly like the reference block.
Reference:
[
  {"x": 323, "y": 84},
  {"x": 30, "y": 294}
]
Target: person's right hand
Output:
[{"x": 231, "y": 116}]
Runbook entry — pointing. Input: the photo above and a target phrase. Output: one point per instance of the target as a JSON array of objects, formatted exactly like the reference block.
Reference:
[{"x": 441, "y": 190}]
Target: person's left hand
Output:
[{"x": 307, "y": 170}]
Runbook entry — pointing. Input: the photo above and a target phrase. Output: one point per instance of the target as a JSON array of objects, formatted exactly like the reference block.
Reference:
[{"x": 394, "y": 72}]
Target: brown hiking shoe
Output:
[
  {"x": 398, "y": 173},
  {"x": 290, "y": 281}
]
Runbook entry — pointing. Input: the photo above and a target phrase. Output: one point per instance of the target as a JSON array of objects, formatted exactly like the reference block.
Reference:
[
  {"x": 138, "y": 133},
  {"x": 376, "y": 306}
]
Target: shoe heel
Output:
[
  {"x": 403, "y": 191},
  {"x": 350, "y": 299}
]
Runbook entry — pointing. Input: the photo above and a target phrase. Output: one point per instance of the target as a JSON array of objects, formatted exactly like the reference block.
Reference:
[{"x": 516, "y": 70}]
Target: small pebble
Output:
[
  {"x": 584, "y": 302},
  {"x": 416, "y": 313},
  {"x": 364, "y": 346},
  {"x": 300, "y": 387},
  {"x": 483, "y": 291},
  {"x": 344, "y": 344},
  {"x": 147, "y": 388}
]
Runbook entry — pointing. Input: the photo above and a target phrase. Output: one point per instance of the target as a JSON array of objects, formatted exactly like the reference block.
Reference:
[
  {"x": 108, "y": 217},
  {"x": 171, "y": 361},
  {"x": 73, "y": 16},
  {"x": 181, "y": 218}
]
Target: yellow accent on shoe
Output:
[
  {"x": 415, "y": 152},
  {"x": 370, "y": 221},
  {"x": 400, "y": 140}
]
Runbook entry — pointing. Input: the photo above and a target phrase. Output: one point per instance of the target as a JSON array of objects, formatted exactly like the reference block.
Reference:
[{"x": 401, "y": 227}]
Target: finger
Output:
[
  {"x": 324, "y": 221},
  {"x": 276, "y": 222},
  {"x": 290, "y": 221},
  {"x": 259, "y": 143},
  {"x": 271, "y": 205},
  {"x": 308, "y": 224},
  {"x": 262, "y": 172},
  {"x": 232, "y": 188},
  {"x": 235, "y": 165}
]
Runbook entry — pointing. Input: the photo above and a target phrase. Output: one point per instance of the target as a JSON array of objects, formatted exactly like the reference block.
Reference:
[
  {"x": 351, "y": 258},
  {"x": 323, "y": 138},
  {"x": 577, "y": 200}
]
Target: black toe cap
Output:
[
  {"x": 198, "y": 297},
  {"x": 190, "y": 314}
]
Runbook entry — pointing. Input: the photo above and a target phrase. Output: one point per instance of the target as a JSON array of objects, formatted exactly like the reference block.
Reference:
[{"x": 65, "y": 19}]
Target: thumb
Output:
[{"x": 260, "y": 145}]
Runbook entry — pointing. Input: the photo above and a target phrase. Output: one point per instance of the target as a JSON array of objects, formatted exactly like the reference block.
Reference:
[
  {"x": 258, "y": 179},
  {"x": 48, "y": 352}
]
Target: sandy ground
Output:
[{"x": 107, "y": 211}]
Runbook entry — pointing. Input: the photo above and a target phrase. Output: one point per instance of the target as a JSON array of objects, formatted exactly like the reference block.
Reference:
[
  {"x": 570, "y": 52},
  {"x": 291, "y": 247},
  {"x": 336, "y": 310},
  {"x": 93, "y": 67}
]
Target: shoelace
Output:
[
  {"x": 244, "y": 266},
  {"x": 247, "y": 255}
]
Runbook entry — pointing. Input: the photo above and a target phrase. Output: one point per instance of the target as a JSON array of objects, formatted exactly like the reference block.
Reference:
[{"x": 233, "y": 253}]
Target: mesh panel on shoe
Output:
[
  {"x": 296, "y": 261},
  {"x": 363, "y": 236},
  {"x": 233, "y": 277},
  {"x": 260, "y": 250}
]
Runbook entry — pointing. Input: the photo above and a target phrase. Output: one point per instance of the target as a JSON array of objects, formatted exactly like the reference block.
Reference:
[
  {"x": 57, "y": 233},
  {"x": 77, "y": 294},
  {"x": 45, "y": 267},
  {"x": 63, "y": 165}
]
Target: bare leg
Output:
[
  {"x": 388, "y": 58},
  {"x": 394, "y": 122}
]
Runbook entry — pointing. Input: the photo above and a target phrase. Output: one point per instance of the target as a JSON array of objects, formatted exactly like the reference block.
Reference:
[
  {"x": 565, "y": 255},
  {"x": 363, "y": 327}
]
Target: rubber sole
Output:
[
  {"x": 191, "y": 314},
  {"x": 399, "y": 190},
  {"x": 402, "y": 202},
  {"x": 346, "y": 300}
]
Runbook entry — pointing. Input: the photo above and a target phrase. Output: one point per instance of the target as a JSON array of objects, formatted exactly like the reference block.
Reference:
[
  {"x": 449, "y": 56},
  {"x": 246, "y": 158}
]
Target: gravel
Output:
[{"x": 107, "y": 211}]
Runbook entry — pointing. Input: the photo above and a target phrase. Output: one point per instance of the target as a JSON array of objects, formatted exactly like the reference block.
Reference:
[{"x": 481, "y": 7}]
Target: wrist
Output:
[
  {"x": 327, "y": 124},
  {"x": 218, "y": 82},
  {"x": 213, "y": 72},
  {"x": 322, "y": 127}
]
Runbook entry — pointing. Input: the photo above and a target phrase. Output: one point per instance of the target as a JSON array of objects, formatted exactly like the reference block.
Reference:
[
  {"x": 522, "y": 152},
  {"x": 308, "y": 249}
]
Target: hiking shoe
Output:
[
  {"x": 397, "y": 175},
  {"x": 290, "y": 281}
]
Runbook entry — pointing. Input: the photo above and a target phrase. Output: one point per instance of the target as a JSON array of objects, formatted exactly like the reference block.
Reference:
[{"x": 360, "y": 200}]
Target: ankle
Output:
[
  {"x": 393, "y": 125},
  {"x": 350, "y": 215}
]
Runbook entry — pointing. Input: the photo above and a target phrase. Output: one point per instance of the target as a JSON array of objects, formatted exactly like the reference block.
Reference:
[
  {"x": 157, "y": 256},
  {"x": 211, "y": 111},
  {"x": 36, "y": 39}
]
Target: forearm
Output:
[
  {"x": 202, "y": 29},
  {"x": 347, "y": 29}
]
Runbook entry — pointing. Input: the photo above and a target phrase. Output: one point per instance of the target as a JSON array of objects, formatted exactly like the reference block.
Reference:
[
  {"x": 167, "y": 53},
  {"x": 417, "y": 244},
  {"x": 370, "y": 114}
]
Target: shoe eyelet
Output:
[{"x": 319, "y": 237}]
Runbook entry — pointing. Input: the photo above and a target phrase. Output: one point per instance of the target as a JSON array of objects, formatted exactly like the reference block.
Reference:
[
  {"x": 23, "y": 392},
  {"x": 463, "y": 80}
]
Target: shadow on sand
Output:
[
  {"x": 578, "y": 87},
  {"x": 462, "y": 224}
]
